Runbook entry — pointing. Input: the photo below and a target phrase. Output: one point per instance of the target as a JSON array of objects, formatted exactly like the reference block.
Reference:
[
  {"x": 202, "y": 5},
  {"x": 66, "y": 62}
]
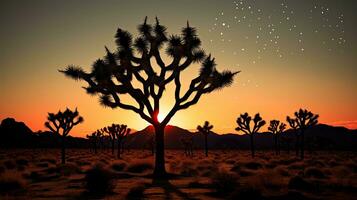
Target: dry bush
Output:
[
  {"x": 313, "y": 172},
  {"x": 119, "y": 166},
  {"x": 99, "y": 180},
  {"x": 224, "y": 182},
  {"x": 140, "y": 166},
  {"x": 136, "y": 192},
  {"x": 68, "y": 169},
  {"x": 12, "y": 184}
]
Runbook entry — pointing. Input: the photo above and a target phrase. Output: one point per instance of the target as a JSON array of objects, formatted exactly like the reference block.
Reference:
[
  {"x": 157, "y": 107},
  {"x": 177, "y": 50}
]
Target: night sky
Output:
[{"x": 292, "y": 54}]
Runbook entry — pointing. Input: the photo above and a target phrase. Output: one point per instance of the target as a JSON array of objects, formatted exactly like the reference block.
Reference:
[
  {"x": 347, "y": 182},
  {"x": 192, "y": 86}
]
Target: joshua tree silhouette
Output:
[
  {"x": 111, "y": 136},
  {"x": 276, "y": 128},
  {"x": 188, "y": 145},
  {"x": 120, "y": 131},
  {"x": 304, "y": 119},
  {"x": 62, "y": 123},
  {"x": 244, "y": 125},
  {"x": 113, "y": 76},
  {"x": 94, "y": 137},
  {"x": 205, "y": 130},
  {"x": 293, "y": 124}
]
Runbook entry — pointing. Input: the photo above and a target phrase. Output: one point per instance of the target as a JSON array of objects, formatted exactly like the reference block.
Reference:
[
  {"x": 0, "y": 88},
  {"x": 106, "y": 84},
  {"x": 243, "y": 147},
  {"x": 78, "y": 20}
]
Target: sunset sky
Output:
[{"x": 291, "y": 53}]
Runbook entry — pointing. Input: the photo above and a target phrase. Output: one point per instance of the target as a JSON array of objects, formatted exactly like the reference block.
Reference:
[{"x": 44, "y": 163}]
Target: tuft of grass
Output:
[
  {"x": 139, "y": 166},
  {"x": 315, "y": 173},
  {"x": 224, "y": 182},
  {"x": 11, "y": 183},
  {"x": 119, "y": 166},
  {"x": 253, "y": 165},
  {"x": 136, "y": 192},
  {"x": 99, "y": 181}
]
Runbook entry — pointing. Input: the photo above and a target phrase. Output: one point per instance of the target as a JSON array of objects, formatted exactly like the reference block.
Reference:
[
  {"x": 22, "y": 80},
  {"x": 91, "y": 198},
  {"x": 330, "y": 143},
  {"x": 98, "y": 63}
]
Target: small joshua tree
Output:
[
  {"x": 188, "y": 145},
  {"x": 304, "y": 120},
  {"x": 111, "y": 136},
  {"x": 61, "y": 124},
  {"x": 205, "y": 130},
  {"x": 95, "y": 137},
  {"x": 120, "y": 131},
  {"x": 119, "y": 72},
  {"x": 276, "y": 128},
  {"x": 244, "y": 125},
  {"x": 293, "y": 124}
]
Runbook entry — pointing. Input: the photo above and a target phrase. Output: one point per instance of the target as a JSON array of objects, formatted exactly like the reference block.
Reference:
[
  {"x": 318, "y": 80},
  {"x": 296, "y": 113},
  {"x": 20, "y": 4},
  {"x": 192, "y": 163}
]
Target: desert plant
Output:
[
  {"x": 244, "y": 125},
  {"x": 187, "y": 143},
  {"x": 111, "y": 136},
  {"x": 113, "y": 77},
  {"x": 61, "y": 124},
  {"x": 205, "y": 130},
  {"x": 304, "y": 119},
  {"x": 276, "y": 128},
  {"x": 99, "y": 181},
  {"x": 293, "y": 125},
  {"x": 94, "y": 137},
  {"x": 120, "y": 131}
]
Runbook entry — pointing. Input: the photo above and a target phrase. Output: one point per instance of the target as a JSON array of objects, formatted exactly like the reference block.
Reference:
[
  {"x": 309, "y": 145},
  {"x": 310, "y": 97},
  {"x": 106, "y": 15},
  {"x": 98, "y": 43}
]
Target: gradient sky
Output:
[{"x": 292, "y": 54}]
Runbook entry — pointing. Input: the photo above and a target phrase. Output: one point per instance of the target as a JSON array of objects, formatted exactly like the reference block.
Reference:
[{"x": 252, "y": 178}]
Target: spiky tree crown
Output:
[
  {"x": 205, "y": 129},
  {"x": 113, "y": 76},
  {"x": 303, "y": 119},
  {"x": 64, "y": 121},
  {"x": 243, "y": 122},
  {"x": 276, "y": 127}
]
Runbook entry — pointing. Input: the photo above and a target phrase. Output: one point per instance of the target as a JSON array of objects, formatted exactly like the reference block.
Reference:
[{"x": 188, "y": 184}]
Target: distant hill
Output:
[
  {"x": 319, "y": 137},
  {"x": 15, "y": 134}
]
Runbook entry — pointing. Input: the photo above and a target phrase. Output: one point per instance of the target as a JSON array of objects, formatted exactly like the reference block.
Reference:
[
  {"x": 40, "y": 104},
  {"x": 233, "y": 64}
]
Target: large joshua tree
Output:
[
  {"x": 304, "y": 119},
  {"x": 243, "y": 122},
  {"x": 61, "y": 123},
  {"x": 293, "y": 125},
  {"x": 276, "y": 128},
  {"x": 205, "y": 130},
  {"x": 129, "y": 71}
]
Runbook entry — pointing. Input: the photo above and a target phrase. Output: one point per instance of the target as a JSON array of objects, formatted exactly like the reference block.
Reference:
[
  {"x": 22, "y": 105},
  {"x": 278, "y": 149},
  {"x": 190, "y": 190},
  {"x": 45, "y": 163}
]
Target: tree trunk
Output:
[
  {"x": 63, "y": 151},
  {"x": 252, "y": 145},
  {"x": 302, "y": 145},
  {"x": 159, "y": 171},
  {"x": 276, "y": 144},
  {"x": 119, "y": 148},
  {"x": 206, "y": 146},
  {"x": 297, "y": 145},
  {"x": 113, "y": 146}
]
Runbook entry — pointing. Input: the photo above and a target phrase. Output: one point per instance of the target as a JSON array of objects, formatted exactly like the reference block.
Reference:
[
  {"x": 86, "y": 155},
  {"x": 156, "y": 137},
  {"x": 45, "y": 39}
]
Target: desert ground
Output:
[{"x": 38, "y": 174}]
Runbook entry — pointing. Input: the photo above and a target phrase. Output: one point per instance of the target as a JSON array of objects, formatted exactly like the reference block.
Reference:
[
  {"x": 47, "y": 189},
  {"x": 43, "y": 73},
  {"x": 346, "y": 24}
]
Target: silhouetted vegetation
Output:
[
  {"x": 205, "y": 130},
  {"x": 244, "y": 125},
  {"x": 113, "y": 76},
  {"x": 187, "y": 143},
  {"x": 303, "y": 120},
  {"x": 62, "y": 123},
  {"x": 276, "y": 128}
]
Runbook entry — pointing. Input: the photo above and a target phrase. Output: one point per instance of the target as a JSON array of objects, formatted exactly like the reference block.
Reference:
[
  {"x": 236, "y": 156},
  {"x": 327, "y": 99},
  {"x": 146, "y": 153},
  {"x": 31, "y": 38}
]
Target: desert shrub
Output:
[
  {"x": 22, "y": 162},
  {"x": 230, "y": 161},
  {"x": 99, "y": 181},
  {"x": 2, "y": 169},
  {"x": 136, "y": 192},
  {"x": 247, "y": 193},
  {"x": 298, "y": 183},
  {"x": 314, "y": 172},
  {"x": 139, "y": 166},
  {"x": 48, "y": 160},
  {"x": 245, "y": 173},
  {"x": 187, "y": 170},
  {"x": 68, "y": 169},
  {"x": 42, "y": 164},
  {"x": 236, "y": 168},
  {"x": 253, "y": 165},
  {"x": 224, "y": 182},
  {"x": 10, "y": 164},
  {"x": 119, "y": 166},
  {"x": 11, "y": 184},
  {"x": 282, "y": 171}
]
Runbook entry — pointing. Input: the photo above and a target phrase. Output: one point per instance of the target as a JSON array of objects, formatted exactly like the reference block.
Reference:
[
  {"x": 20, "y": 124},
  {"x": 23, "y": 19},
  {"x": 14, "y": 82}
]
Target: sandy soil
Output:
[{"x": 38, "y": 174}]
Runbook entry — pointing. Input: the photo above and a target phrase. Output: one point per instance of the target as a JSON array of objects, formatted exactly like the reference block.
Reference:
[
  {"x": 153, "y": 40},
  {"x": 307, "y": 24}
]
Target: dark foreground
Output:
[{"x": 37, "y": 174}]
